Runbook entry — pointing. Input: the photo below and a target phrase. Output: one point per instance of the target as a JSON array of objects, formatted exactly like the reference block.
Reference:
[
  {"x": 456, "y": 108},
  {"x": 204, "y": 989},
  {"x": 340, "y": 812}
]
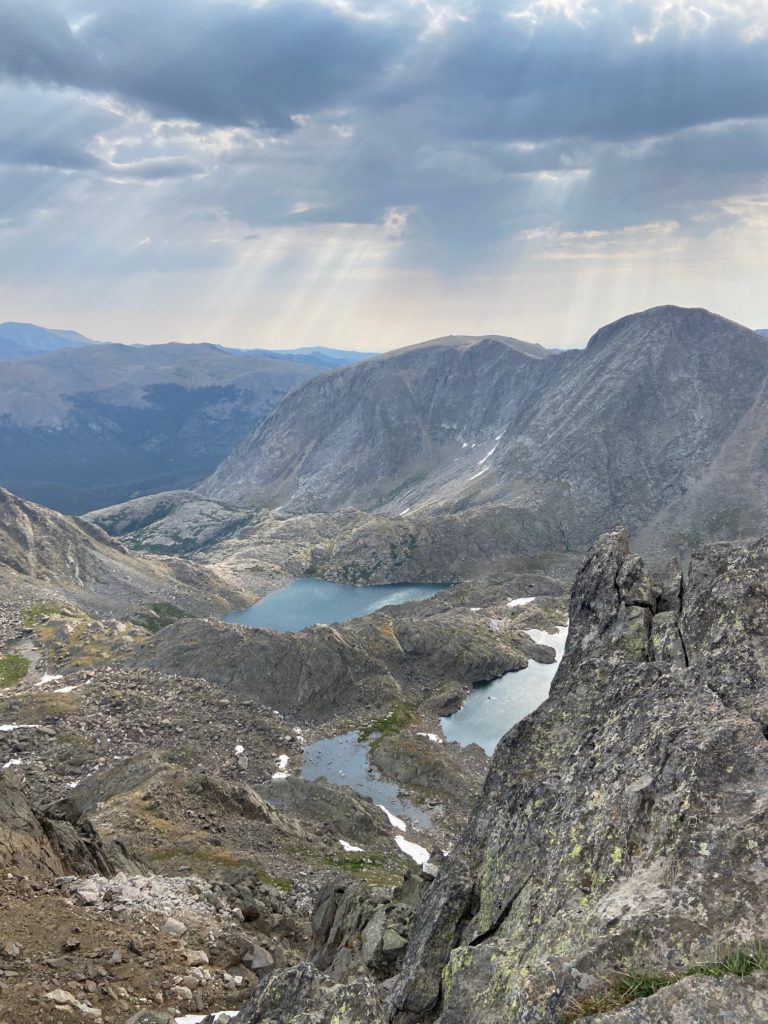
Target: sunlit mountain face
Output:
[{"x": 369, "y": 174}]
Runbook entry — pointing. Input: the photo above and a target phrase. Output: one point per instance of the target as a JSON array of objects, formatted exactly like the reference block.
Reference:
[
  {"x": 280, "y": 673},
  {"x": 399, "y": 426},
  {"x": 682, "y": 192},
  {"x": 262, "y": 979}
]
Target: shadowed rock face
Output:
[
  {"x": 609, "y": 814},
  {"x": 659, "y": 424},
  {"x": 41, "y": 845}
]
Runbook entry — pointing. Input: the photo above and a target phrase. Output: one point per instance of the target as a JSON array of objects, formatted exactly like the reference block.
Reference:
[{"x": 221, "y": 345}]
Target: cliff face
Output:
[{"x": 623, "y": 824}]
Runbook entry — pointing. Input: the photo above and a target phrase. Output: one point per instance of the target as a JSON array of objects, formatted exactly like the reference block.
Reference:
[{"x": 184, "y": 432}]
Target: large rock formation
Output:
[
  {"x": 428, "y": 650},
  {"x": 43, "y": 845},
  {"x": 622, "y": 824},
  {"x": 659, "y": 423}
]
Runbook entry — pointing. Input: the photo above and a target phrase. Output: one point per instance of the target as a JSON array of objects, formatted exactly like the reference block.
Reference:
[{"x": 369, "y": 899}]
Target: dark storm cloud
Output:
[
  {"x": 501, "y": 78},
  {"x": 220, "y": 63}
]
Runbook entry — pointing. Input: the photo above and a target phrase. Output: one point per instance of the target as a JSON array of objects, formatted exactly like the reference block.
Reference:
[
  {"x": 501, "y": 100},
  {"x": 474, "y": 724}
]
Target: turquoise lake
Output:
[
  {"x": 493, "y": 708},
  {"x": 308, "y": 602}
]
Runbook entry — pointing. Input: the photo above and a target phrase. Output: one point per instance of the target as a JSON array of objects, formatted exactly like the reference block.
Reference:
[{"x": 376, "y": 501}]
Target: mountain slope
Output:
[
  {"x": 91, "y": 426},
  {"x": 69, "y": 559},
  {"x": 662, "y": 409},
  {"x": 366, "y": 433},
  {"x": 25, "y": 341}
]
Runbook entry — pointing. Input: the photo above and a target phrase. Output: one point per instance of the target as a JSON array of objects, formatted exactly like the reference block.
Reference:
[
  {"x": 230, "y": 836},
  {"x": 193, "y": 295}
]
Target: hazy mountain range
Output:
[
  {"x": 27, "y": 341},
  {"x": 84, "y": 423}
]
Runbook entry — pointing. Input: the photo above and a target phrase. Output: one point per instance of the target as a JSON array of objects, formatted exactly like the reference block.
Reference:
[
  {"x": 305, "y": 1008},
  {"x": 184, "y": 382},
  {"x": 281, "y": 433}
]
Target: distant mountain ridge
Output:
[
  {"x": 660, "y": 424},
  {"x": 26, "y": 341},
  {"x": 20, "y": 341},
  {"x": 96, "y": 424}
]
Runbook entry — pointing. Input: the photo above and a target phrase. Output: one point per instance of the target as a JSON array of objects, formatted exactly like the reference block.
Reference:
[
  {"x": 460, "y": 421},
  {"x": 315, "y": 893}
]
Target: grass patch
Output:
[
  {"x": 275, "y": 881},
  {"x": 368, "y": 866},
  {"x": 158, "y": 615},
  {"x": 13, "y": 668},
  {"x": 34, "y": 707},
  {"x": 635, "y": 983},
  {"x": 42, "y": 610},
  {"x": 397, "y": 719}
]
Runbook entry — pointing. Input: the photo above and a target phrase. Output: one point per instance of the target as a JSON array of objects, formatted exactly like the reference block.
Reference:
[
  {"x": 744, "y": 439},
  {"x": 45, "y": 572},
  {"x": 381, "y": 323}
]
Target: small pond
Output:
[
  {"x": 305, "y": 603},
  {"x": 343, "y": 761},
  {"x": 493, "y": 708}
]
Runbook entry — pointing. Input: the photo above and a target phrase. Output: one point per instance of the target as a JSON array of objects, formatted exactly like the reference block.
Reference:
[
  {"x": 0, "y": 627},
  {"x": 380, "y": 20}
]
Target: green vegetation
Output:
[
  {"x": 399, "y": 718},
  {"x": 355, "y": 573},
  {"x": 369, "y": 866},
  {"x": 158, "y": 615},
  {"x": 13, "y": 668},
  {"x": 635, "y": 983},
  {"x": 32, "y": 615}
]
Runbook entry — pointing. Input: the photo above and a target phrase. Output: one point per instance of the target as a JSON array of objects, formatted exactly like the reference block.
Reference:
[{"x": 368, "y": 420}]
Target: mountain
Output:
[
  {"x": 318, "y": 356},
  {"x": 370, "y": 434},
  {"x": 25, "y": 341},
  {"x": 660, "y": 423},
  {"x": 328, "y": 356},
  {"x": 90, "y": 426},
  {"x": 72, "y": 560}
]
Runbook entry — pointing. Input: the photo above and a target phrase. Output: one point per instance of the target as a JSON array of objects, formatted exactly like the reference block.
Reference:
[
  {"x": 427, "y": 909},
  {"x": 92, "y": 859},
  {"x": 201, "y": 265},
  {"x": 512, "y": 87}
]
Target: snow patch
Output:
[
  {"x": 49, "y": 679},
  {"x": 486, "y": 457},
  {"x": 556, "y": 640},
  {"x": 218, "y": 1015},
  {"x": 282, "y": 762},
  {"x": 280, "y": 775},
  {"x": 12, "y": 763},
  {"x": 349, "y": 847},
  {"x": 405, "y": 511},
  {"x": 517, "y": 602},
  {"x": 430, "y": 736},
  {"x": 65, "y": 689},
  {"x": 239, "y": 749},
  {"x": 413, "y": 850},
  {"x": 393, "y": 820},
  {"x": 483, "y": 470},
  {"x": 475, "y": 609}
]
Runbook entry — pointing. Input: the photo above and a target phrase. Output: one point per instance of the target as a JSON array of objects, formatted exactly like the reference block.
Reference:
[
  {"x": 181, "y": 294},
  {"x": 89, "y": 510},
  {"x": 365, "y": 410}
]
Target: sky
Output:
[{"x": 372, "y": 173}]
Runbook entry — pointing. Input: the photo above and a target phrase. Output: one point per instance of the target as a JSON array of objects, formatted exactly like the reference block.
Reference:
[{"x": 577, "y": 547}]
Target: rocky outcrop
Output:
[
  {"x": 354, "y": 927},
  {"x": 172, "y": 522},
  {"x": 38, "y": 845},
  {"x": 608, "y": 815},
  {"x": 286, "y": 996},
  {"x": 422, "y": 651},
  {"x": 68, "y": 559},
  {"x": 338, "y": 808}
]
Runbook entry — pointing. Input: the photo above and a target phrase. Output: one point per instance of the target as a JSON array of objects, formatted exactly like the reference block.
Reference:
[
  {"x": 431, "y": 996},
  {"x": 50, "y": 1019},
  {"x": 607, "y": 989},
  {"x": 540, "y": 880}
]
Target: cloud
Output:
[
  {"x": 287, "y": 142},
  {"x": 218, "y": 63}
]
